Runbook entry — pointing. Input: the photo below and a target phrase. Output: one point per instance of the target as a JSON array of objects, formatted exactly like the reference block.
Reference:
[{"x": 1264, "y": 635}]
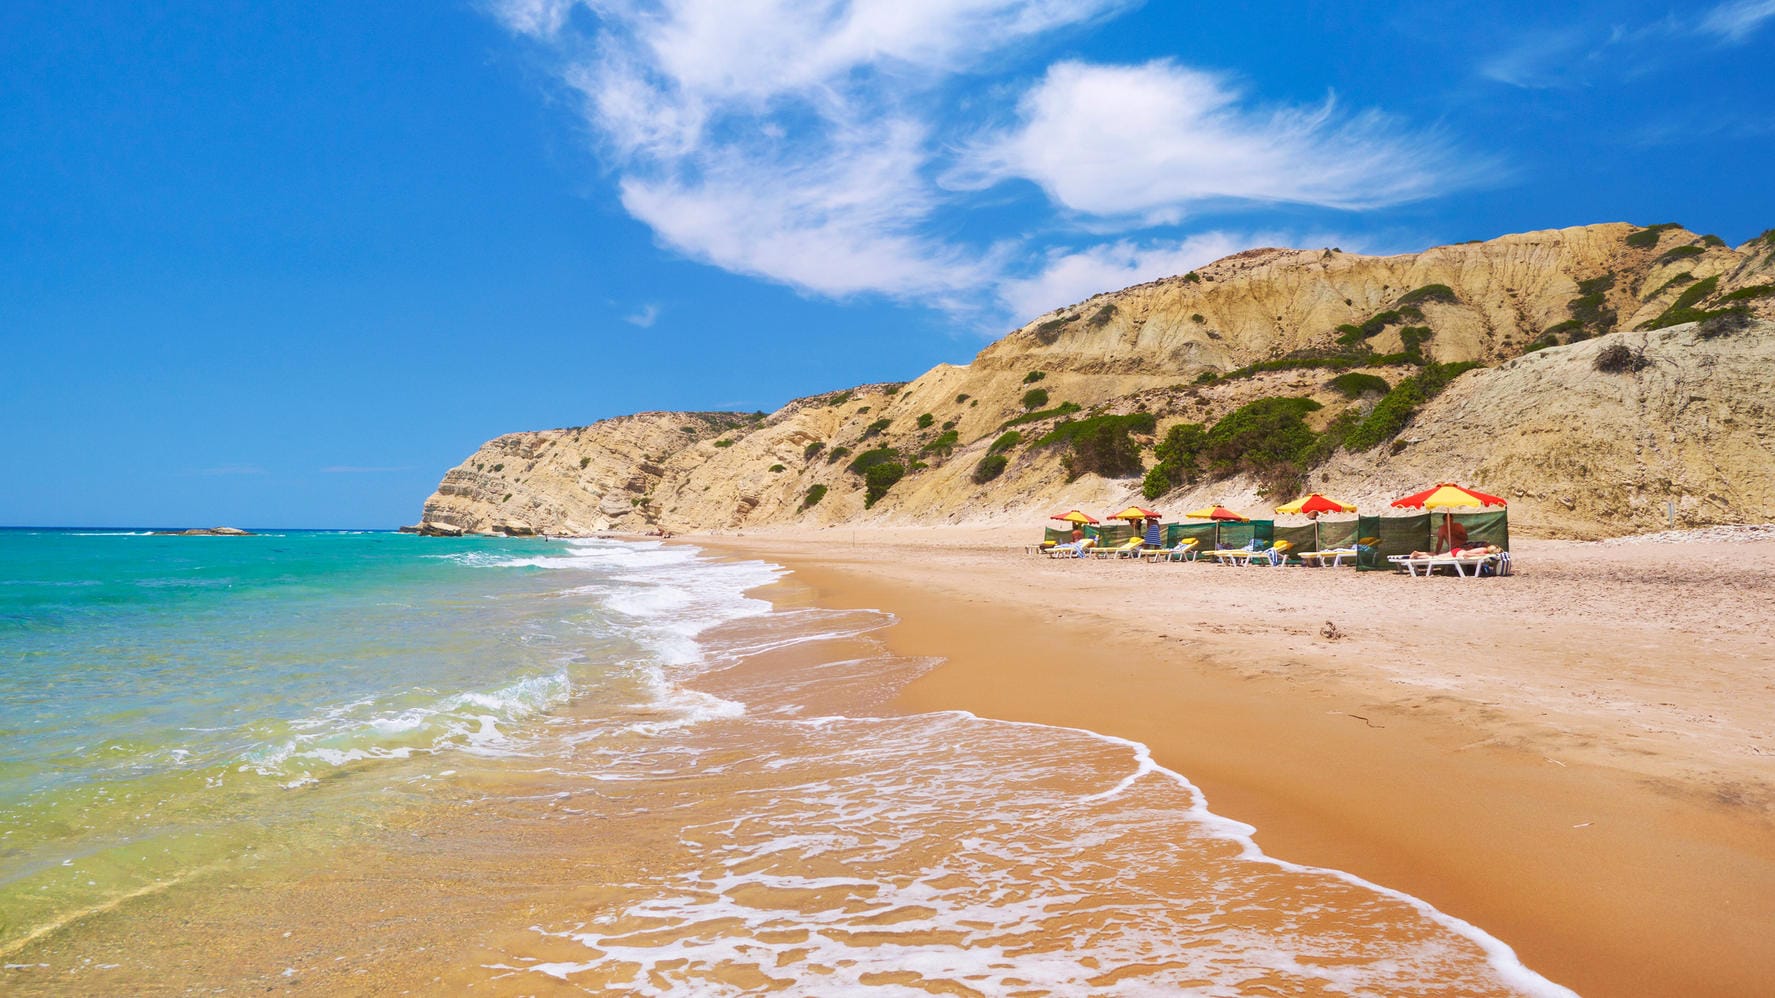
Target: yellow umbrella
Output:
[{"x": 1074, "y": 516}]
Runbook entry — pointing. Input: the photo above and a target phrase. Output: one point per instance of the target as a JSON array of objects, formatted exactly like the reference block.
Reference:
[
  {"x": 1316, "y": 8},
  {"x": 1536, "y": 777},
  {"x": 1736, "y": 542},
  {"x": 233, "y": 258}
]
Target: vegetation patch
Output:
[
  {"x": 1176, "y": 460},
  {"x": 1267, "y": 439},
  {"x": 1101, "y": 317},
  {"x": 963, "y": 397},
  {"x": 943, "y": 444},
  {"x": 1034, "y": 376},
  {"x": 1005, "y": 442},
  {"x": 925, "y": 420},
  {"x": 499, "y": 467},
  {"x": 878, "y": 479},
  {"x": 1712, "y": 240},
  {"x": 814, "y": 494},
  {"x": 1679, "y": 253},
  {"x": 1394, "y": 412},
  {"x": 990, "y": 467},
  {"x": 1749, "y": 293},
  {"x": 837, "y": 454},
  {"x": 1048, "y": 332},
  {"x": 1590, "y": 309},
  {"x": 1683, "y": 278},
  {"x": 808, "y": 452},
  {"x": 1648, "y": 237},
  {"x": 840, "y": 399},
  {"x": 778, "y": 467},
  {"x": 1193, "y": 277},
  {"x": 724, "y": 443},
  {"x": 1355, "y": 385},
  {"x": 874, "y": 429},
  {"x": 1035, "y": 398},
  {"x": 1683, "y": 308},
  {"x": 1429, "y": 292},
  {"x": 870, "y": 458},
  {"x": 1063, "y": 409},
  {"x": 1100, "y": 445},
  {"x": 1724, "y": 323},
  {"x": 583, "y": 462}
]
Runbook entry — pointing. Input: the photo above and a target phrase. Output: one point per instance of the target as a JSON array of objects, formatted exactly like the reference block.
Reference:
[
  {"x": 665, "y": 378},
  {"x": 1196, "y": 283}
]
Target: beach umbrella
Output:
[
  {"x": 1135, "y": 513},
  {"x": 1448, "y": 496},
  {"x": 1218, "y": 514},
  {"x": 1074, "y": 516},
  {"x": 1313, "y": 505}
]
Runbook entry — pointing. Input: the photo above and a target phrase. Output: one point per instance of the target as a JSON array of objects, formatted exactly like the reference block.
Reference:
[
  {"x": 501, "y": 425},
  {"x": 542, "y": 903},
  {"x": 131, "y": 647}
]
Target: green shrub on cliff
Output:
[
  {"x": 814, "y": 494},
  {"x": 879, "y": 478},
  {"x": 1648, "y": 237},
  {"x": 990, "y": 467},
  {"x": 1035, "y": 398}
]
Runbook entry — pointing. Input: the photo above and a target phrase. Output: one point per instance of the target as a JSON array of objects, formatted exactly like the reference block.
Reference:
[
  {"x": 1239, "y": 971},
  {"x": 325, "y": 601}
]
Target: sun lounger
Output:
[
  {"x": 1185, "y": 551},
  {"x": 1465, "y": 565},
  {"x": 1071, "y": 550},
  {"x": 1329, "y": 558},
  {"x": 1129, "y": 548}
]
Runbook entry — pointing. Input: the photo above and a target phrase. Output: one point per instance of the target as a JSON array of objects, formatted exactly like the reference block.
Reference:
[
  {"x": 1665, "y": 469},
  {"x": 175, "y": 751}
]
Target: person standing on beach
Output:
[
  {"x": 1450, "y": 537},
  {"x": 1153, "y": 538}
]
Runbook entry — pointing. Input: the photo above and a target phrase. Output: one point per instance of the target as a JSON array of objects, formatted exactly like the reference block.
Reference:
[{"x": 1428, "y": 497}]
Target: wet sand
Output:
[{"x": 1580, "y": 759}]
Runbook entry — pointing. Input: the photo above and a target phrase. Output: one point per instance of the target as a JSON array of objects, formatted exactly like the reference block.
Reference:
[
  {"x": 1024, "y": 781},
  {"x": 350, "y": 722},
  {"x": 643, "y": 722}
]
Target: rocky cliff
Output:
[{"x": 1584, "y": 444}]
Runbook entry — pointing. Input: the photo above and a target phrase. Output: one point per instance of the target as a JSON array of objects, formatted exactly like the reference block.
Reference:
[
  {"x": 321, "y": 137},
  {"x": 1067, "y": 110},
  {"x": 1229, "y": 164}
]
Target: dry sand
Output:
[{"x": 1579, "y": 759}]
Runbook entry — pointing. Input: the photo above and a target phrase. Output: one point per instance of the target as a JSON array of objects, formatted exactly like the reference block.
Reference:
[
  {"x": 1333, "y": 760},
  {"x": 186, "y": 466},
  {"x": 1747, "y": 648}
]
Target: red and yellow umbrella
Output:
[
  {"x": 1074, "y": 516},
  {"x": 1313, "y": 505},
  {"x": 1218, "y": 514},
  {"x": 1135, "y": 513},
  {"x": 1448, "y": 496}
]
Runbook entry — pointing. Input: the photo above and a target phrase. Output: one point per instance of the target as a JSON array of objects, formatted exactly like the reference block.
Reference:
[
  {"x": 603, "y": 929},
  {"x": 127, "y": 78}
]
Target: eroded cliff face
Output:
[{"x": 1578, "y": 451}]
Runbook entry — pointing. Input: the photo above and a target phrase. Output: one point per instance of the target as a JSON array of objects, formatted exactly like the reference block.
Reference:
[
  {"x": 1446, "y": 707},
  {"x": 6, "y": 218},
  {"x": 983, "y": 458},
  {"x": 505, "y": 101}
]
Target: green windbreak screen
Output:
[
  {"x": 1381, "y": 536},
  {"x": 1058, "y": 535},
  {"x": 1112, "y": 533},
  {"x": 1235, "y": 535},
  {"x": 1491, "y": 526},
  {"x": 1177, "y": 533},
  {"x": 1300, "y": 537}
]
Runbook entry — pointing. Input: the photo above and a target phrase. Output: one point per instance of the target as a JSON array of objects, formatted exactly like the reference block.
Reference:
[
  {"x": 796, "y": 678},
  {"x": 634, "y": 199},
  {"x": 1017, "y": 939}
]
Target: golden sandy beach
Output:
[{"x": 1579, "y": 759}]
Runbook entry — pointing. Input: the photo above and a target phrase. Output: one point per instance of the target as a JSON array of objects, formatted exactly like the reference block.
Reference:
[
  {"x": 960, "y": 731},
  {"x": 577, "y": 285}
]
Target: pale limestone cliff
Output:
[{"x": 1578, "y": 451}]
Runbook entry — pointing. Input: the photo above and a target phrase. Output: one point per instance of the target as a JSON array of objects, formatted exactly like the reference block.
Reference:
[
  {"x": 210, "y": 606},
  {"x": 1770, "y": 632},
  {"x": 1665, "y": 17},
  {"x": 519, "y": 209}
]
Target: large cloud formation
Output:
[{"x": 842, "y": 147}]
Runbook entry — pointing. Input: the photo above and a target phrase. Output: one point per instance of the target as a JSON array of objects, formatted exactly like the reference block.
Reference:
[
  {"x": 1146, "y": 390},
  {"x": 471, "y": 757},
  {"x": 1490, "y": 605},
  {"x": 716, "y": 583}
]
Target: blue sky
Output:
[{"x": 284, "y": 264}]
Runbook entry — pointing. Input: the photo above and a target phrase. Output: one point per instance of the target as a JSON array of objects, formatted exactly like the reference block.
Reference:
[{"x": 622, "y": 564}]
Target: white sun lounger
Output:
[{"x": 1460, "y": 563}]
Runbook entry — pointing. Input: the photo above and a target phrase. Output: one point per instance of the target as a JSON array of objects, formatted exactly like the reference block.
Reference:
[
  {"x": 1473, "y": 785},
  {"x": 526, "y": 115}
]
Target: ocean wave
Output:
[{"x": 367, "y": 729}]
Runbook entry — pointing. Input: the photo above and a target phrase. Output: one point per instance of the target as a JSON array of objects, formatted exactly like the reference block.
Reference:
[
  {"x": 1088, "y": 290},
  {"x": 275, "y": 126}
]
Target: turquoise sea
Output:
[{"x": 356, "y": 762}]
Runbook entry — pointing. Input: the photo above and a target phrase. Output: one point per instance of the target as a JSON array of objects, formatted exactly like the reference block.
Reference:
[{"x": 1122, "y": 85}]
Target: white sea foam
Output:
[
  {"x": 951, "y": 846},
  {"x": 365, "y": 729}
]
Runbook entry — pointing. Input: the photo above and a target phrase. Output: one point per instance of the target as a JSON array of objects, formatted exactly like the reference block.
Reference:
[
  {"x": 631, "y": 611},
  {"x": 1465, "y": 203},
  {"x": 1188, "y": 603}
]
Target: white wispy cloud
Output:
[
  {"x": 1159, "y": 139},
  {"x": 818, "y": 144},
  {"x": 644, "y": 317},
  {"x": 1738, "y": 20},
  {"x": 1067, "y": 276},
  {"x": 1581, "y": 54}
]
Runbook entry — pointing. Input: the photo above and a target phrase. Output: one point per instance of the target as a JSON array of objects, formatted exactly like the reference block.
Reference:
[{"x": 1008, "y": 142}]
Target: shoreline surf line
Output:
[
  {"x": 1648, "y": 891},
  {"x": 1499, "y": 955}
]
